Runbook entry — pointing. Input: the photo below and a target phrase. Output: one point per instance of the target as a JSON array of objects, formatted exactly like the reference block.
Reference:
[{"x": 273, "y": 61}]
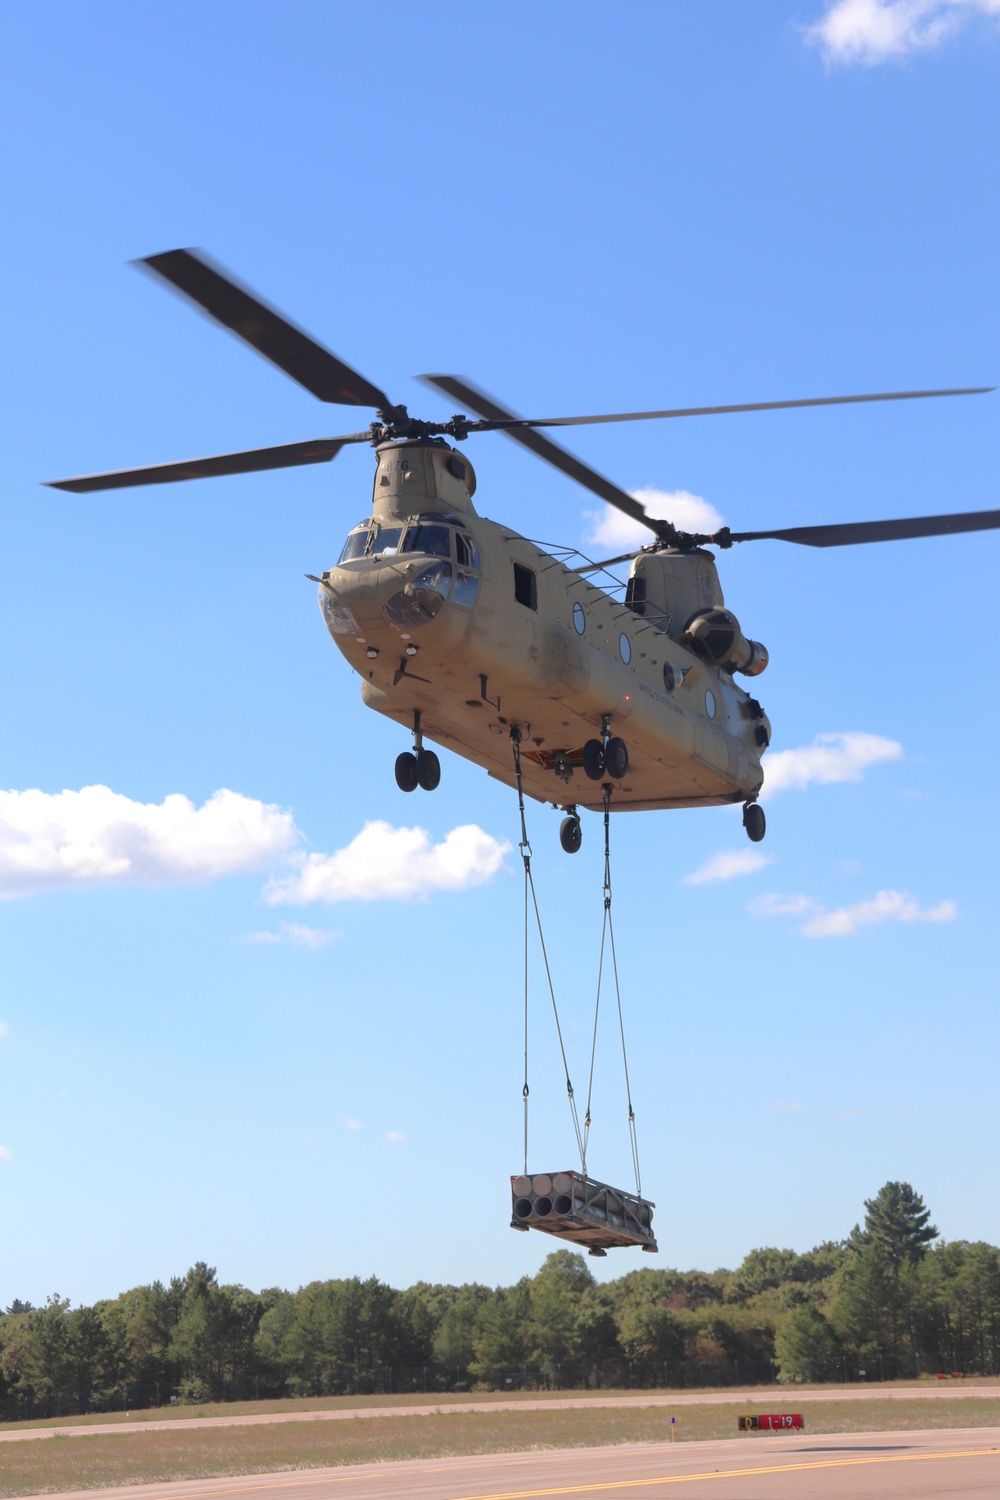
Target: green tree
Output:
[
  {"x": 897, "y": 1223},
  {"x": 501, "y": 1344},
  {"x": 806, "y": 1347}
]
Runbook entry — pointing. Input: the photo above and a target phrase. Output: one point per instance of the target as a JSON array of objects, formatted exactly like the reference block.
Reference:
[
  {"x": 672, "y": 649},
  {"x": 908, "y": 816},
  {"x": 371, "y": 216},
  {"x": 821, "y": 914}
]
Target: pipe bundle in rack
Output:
[{"x": 577, "y": 1208}]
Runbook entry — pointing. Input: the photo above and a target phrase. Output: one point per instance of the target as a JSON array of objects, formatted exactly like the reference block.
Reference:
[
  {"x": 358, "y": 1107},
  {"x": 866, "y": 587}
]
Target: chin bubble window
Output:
[{"x": 421, "y": 599}]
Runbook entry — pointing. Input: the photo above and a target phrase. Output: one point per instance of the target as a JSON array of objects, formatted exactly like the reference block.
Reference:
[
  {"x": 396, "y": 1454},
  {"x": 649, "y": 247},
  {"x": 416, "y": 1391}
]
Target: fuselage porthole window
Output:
[
  {"x": 525, "y": 586},
  {"x": 710, "y": 703},
  {"x": 579, "y": 618},
  {"x": 625, "y": 648}
]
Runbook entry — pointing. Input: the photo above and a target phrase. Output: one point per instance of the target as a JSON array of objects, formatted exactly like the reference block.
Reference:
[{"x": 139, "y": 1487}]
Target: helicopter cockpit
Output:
[{"x": 429, "y": 535}]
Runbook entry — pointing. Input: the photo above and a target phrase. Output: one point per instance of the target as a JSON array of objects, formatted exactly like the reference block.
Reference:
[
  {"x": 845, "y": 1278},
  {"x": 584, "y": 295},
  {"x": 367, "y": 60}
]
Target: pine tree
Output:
[{"x": 896, "y": 1223}]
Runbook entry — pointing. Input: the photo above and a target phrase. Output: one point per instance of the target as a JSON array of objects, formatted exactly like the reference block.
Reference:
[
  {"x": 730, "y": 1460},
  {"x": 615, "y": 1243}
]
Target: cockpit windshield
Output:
[
  {"x": 433, "y": 539},
  {"x": 385, "y": 543},
  {"x": 356, "y": 543}
]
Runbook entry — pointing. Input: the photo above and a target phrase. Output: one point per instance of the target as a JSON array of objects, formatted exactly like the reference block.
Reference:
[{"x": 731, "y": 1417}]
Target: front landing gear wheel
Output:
[
  {"x": 406, "y": 771},
  {"x": 616, "y": 759},
  {"x": 593, "y": 760},
  {"x": 754, "y": 822},
  {"x": 428, "y": 770},
  {"x": 570, "y": 834}
]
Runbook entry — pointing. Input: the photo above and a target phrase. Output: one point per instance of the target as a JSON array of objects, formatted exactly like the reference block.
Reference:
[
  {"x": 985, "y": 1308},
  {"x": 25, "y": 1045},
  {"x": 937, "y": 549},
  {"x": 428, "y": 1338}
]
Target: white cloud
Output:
[
  {"x": 386, "y": 863},
  {"x": 50, "y": 839},
  {"x": 296, "y": 934},
  {"x": 3, "y": 1028},
  {"x": 5, "y": 1153},
  {"x": 787, "y": 1106},
  {"x": 351, "y": 1124},
  {"x": 873, "y": 31},
  {"x": 830, "y": 757},
  {"x": 612, "y": 531},
  {"x": 852, "y": 1114},
  {"x": 726, "y": 865},
  {"x": 845, "y": 921},
  {"x": 396, "y": 1138}
]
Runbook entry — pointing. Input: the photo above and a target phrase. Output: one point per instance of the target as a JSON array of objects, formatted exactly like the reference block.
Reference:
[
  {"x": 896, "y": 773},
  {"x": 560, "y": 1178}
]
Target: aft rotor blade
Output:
[
  {"x": 853, "y": 532},
  {"x": 505, "y": 421},
  {"x": 715, "y": 411},
  {"x": 285, "y": 456},
  {"x": 265, "y": 330}
]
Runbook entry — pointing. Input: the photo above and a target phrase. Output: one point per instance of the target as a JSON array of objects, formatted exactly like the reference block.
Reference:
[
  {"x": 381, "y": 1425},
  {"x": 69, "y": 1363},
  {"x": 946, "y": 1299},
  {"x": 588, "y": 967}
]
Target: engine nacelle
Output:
[{"x": 716, "y": 633}]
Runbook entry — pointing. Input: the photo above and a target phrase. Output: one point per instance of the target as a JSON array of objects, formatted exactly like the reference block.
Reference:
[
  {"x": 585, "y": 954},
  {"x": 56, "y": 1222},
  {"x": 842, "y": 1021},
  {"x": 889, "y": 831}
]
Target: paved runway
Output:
[
  {"x": 961, "y": 1463},
  {"x": 766, "y": 1399}
]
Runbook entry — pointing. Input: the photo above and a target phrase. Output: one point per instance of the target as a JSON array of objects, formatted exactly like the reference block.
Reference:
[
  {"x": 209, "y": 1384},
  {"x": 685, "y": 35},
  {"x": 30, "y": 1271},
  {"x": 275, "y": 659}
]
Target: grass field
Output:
[{"x": 66, "y": 1462}]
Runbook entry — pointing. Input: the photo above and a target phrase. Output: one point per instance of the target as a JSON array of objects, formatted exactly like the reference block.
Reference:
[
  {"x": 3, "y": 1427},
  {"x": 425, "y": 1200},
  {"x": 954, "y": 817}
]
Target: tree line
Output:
[{"x": 891, "y": 1300}]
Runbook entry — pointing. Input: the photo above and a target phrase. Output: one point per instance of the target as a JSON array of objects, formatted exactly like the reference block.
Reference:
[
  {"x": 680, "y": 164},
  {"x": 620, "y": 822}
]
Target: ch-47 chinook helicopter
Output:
[{"x": 470, "y": 635}]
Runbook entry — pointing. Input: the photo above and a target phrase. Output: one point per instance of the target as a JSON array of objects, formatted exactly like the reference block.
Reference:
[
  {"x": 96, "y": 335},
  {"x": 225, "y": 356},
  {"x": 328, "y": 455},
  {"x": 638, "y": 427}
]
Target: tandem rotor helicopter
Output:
[{"x": 470, "y": 635}]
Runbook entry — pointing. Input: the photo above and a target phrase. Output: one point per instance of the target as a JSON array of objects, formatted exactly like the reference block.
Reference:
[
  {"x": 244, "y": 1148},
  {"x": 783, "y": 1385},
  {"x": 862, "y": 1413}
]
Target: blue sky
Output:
[{"x": 656, "y": 205}]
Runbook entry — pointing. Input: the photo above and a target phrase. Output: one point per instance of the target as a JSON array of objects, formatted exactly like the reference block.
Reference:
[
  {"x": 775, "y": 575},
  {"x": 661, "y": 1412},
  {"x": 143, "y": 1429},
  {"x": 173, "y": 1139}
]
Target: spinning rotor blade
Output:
[
  {"x": 714, "y": 411},
  {"x": 285, "y": 456},
  {"x": 265, "y": 330},
  {"x": 522, "y": 431},
  {"x": 852, "y": 532}
]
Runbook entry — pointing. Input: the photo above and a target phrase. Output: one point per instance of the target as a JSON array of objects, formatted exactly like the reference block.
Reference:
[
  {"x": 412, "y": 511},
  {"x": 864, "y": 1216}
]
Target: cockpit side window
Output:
[
  {"x": 435, "y": 540},
  {"x": 466, "y": 550}
]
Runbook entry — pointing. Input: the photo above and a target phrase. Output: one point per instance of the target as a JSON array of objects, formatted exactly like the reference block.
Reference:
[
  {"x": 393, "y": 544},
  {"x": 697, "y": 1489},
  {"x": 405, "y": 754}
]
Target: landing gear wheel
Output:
[
  {"x": 570, "y": 834},
  {"x": 593, "y": 759},
  {"x": 406, "y": 771},
  {"x": 754, "y": 822},
  {"x": 428, "y": 770},
  {"x": 616, "y": 759}
]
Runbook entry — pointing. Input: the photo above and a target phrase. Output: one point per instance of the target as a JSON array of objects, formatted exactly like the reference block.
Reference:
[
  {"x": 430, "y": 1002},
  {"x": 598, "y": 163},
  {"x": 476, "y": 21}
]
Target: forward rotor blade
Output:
[
  {"x": 853, "y": 532},
  {"x": 714, "y": 411},
  {"x": 609, "y": 562},
  {"x": 476, "y": 400},
  {"x": 285, "y": 456},
  {"x": 265, "y": 330}
]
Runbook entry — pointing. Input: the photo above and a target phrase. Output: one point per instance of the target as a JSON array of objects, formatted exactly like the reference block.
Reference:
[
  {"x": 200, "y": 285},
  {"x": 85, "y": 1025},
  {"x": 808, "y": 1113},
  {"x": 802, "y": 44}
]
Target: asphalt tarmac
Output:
[{"x": 962, "y": 1464}]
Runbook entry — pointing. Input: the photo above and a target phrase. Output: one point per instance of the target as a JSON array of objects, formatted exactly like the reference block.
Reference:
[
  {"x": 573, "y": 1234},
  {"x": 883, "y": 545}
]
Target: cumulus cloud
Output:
[
  {"x": 351, "y": 1124},
  {"x": 295, "y": 933},
  {"x": 383, "y": 863},
  {"x": 845, "y": 921},
  {"x": 611, "y": 531},
  {"x": 726, "y": 865},
  {"x": 875, "y": 31},
  {"x": 3, "y": 1028},
  {"x": 95, "y": 835},
  {"x": 5, "y": 1153},
  {"x": 830, "y": 757},
  {"x": 396, "y": 1138}
]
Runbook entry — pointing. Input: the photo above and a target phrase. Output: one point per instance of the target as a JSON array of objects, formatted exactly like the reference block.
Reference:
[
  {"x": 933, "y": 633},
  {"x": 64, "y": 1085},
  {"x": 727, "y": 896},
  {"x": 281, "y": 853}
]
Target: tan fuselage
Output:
[{"x": 555, "y": 672}]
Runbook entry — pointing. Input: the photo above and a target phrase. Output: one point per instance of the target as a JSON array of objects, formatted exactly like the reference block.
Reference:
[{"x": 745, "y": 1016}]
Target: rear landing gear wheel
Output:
[
  {"x": 593, "y": 759},
  {"x": 570, "y": 834},
  {"x": 616, "y": 759},
  {"x": 428, "y": 770},
  {"x": 406, "y": 771},
  {"x": 754, "y": 822}
]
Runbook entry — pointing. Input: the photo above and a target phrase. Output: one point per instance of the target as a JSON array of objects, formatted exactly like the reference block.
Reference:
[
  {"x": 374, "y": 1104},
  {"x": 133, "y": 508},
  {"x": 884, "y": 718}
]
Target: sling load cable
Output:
[
  {"x": 529, "y": 890},
  {"x": 608, "y": 934}
]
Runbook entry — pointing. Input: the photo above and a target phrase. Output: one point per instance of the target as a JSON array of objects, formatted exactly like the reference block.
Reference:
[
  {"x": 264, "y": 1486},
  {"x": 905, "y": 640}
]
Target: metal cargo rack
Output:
[{"x": 576, "y": 1208}]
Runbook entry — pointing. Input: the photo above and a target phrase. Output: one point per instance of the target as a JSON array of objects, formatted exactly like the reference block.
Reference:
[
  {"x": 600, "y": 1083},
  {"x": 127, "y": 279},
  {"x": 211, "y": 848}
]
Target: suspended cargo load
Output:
[{"x": 576, "y": 1208}]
